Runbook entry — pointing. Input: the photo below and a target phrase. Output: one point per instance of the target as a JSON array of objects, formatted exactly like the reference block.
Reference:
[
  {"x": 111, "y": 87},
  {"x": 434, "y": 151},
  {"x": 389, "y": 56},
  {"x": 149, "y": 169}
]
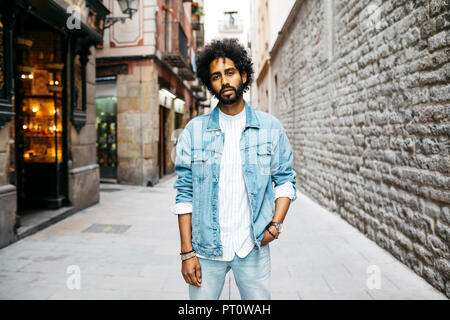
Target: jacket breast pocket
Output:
[
  {"x": 264, "y": 155},
  {"x": 200, "y": 165}
]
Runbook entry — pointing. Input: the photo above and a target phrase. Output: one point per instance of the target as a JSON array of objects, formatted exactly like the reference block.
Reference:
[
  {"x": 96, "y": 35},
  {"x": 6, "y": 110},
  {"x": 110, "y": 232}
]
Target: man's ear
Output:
[{"x": 244, "y": 76}]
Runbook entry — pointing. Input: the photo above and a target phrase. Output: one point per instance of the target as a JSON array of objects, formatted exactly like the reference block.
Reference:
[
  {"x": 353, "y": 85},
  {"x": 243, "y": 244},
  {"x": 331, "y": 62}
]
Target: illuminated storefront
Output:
[{"x": 45, "y": 104}]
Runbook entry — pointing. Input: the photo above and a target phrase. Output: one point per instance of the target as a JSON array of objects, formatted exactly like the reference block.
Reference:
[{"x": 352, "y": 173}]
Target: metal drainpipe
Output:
[{"x": 140, "y": 126}]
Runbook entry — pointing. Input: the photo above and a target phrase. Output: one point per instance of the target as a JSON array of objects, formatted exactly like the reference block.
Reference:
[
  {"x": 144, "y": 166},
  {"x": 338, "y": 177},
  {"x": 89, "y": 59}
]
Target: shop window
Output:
[
  {"x": 6, "y": 106},
  {"x": 79, "y": 58},
  {"x": 40, "y": 95},
  {"x": 106, "y": 127},
  {"x": 40, "y": 83}
]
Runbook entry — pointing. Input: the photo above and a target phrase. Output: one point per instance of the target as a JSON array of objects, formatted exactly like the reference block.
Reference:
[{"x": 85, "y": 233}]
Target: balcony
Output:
[
  {"x": 196, "y": 87},
  {"x": 196, "y": 25},
  {"x": 186, "y": 74},
  {"x": 176, "y": 46}
]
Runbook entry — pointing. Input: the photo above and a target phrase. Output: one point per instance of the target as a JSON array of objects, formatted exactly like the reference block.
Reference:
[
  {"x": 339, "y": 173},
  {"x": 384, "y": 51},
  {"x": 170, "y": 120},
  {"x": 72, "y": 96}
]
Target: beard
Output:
[{"x": 237, "y": 94}]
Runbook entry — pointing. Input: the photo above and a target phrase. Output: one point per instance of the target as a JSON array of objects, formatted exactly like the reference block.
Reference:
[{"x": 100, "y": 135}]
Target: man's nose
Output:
[{"x": 225, "y": 82}]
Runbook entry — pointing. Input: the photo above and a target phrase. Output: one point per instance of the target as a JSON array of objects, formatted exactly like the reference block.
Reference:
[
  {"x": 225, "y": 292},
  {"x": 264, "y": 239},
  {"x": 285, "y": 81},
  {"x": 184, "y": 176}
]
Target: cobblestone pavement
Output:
[{"x": 126, "y": 247}]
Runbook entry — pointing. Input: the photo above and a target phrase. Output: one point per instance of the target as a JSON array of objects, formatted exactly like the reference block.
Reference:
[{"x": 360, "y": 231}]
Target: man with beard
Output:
[{"x": 235, "y": 182}]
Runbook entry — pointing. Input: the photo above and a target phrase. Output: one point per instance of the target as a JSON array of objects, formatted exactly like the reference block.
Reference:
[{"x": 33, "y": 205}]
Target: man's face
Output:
[{"x": 226, "y": 81}]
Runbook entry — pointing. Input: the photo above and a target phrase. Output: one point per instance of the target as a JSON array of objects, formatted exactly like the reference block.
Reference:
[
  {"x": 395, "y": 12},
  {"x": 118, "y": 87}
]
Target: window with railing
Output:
[
  {"x": 176, "y": 46},
  {"x": 231, "y": 22}
]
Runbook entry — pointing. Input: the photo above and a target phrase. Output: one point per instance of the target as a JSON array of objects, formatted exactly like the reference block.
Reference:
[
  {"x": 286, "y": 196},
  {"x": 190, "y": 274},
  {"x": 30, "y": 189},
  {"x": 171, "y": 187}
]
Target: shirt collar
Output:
[{"x": 251, "y": 120}]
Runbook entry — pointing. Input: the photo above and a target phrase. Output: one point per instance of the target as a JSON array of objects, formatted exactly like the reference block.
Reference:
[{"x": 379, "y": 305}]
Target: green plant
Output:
[{"x": 198, "y": 10}]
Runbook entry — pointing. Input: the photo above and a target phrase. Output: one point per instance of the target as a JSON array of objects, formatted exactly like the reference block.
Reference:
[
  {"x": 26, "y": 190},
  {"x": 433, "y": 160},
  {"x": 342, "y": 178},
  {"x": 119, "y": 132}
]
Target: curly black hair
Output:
[{"x": 226, "y": 48}]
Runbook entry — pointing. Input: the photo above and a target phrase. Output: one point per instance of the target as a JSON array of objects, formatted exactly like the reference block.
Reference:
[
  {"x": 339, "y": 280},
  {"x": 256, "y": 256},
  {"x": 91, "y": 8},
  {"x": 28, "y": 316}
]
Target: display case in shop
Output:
[
  {"x": 42, "y": 127},
  {"x": 43, "y": 158}
]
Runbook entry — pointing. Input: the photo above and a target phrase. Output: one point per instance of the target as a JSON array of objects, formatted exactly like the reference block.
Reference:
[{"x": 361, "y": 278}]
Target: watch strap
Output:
[{"x": 276, "y": 225}]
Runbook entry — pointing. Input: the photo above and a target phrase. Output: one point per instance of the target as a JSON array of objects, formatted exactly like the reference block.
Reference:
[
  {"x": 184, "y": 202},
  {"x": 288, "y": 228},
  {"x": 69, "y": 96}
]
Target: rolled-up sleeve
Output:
[
  {"x": 283, "y": 175},
  {"x": 183, "y": 184},
  {"x": 181, "y": 208},
  {"x": 285, "y": 190}
]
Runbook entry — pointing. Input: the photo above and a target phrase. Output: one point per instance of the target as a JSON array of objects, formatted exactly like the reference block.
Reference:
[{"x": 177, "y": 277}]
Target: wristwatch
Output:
[{"x": 278, "y": 226}]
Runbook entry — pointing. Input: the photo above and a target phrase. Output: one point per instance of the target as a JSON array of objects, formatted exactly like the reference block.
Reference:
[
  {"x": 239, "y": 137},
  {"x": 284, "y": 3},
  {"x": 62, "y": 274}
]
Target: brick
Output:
[
  {"x": 423, "y": 254},
  {"x": 440, "y": 93},
  {"x": 443, "y": 231},
  {"x": 445, "y": 215},
  {"x": 436, "y": 245},
  {"x": 432, "y": 210},
  {"x": 438, "y": 7},
  {"x": 434, "y": 278},
  {"x": 414, "y": 263}
]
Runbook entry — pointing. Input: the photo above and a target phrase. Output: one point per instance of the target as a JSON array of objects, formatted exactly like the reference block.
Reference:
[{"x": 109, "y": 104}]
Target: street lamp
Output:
[{"x": 128, "y": 7}]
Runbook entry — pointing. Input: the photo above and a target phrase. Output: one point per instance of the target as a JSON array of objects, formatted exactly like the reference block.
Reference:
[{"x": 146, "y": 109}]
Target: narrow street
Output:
[{"x": 126, "y": 247}]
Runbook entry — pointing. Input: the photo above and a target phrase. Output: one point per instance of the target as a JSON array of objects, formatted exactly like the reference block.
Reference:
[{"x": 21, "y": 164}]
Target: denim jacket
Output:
[{"x": 266, "y": 163}]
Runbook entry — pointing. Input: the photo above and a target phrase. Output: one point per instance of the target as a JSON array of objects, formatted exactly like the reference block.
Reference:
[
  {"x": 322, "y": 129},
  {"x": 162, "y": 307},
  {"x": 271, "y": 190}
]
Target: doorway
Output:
[
  {"x": 162, "y": 146},
  {"x": 106, "y": 126}
]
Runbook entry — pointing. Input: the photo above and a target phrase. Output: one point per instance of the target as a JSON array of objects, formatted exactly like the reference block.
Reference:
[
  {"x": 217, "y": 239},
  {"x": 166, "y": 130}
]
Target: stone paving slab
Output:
[{"x": 319, "y": 255}]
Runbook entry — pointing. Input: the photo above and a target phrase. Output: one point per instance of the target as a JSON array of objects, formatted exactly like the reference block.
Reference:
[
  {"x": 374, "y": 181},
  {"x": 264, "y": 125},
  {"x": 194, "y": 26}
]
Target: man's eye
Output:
[
  {"x": 215, "y": 77},
  {"x": 230, "y": 73}
]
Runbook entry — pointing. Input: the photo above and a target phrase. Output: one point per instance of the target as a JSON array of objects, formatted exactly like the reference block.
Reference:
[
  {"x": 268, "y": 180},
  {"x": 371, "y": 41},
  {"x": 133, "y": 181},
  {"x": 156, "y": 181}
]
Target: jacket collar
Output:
[{"x": 251, "y": 119}]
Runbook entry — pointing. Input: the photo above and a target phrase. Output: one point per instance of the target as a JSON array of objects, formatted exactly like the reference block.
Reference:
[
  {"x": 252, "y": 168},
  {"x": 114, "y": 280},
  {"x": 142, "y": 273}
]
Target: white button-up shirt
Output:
[{"x": 234, "y": 207}]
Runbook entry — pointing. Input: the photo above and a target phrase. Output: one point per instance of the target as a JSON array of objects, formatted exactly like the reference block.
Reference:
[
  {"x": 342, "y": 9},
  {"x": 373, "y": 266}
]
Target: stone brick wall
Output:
[
  {"x": 136, "y": 90},
  {"x": 366, "y": 105},
  {"x": 84, "y": 173}
]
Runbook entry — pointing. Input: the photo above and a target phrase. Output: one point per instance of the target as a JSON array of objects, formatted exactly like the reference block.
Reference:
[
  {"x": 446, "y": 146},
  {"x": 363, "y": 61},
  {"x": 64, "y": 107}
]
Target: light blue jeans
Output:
[{"x": 252, "y": 275}]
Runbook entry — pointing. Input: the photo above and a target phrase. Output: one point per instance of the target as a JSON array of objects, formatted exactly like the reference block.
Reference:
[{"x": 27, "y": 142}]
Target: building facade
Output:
[
  {"x": 362, "y": 89},
  {"x": 267, "y": 18},
  {"x": 47, "y": 108},
  {"x": 145, "y": 78}
]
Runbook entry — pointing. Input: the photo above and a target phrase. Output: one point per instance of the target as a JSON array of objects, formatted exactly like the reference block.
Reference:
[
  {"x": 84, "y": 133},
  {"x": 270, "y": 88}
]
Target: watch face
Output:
[{"x": 279, "y": 226}]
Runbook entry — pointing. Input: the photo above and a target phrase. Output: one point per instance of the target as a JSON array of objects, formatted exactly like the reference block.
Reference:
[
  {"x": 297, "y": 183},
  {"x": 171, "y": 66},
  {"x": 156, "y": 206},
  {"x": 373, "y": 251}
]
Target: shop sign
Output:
[
  {"x": 166, "y": 98},
  {"x": 179, "y": 105}
]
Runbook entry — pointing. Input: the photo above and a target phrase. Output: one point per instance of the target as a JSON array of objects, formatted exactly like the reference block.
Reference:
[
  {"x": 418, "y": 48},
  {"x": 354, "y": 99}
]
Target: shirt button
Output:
[{"x": 217, "y": 133}]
